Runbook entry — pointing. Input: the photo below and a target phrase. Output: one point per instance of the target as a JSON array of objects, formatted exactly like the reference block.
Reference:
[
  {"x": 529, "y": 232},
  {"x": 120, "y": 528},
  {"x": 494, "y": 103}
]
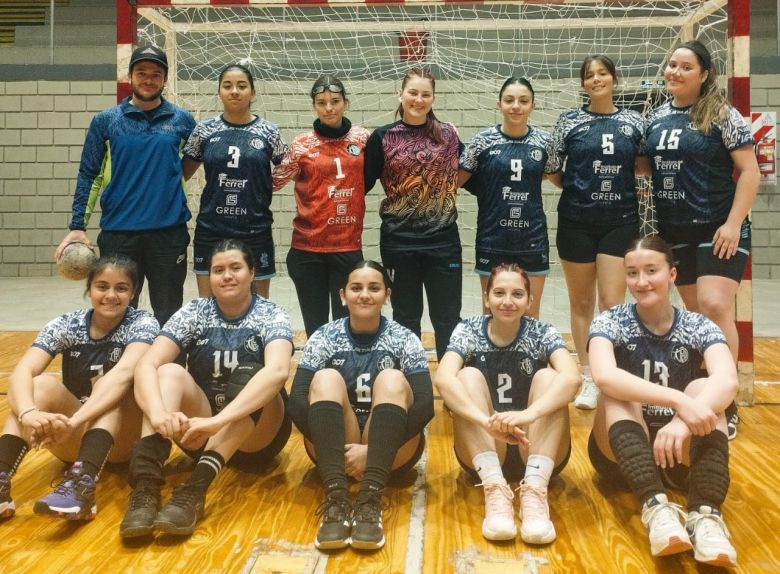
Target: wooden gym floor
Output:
[{"x": 266, "y": 524}]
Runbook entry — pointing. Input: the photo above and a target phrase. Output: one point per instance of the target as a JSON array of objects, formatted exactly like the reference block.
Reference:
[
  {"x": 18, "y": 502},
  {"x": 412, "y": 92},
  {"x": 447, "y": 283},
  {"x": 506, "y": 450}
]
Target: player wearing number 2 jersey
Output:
[
  {"x": 237, "y": 150},
  {"x": 227, "y": 405},
  {"x": 504, "y": 167},
  {"x": 658, "y": 422},
  {"x": 89, "y": 412},
  {"x": 361, "y": 396},
  {"x": 507, "y": 380},
  {"x": 327, "y": 166}
]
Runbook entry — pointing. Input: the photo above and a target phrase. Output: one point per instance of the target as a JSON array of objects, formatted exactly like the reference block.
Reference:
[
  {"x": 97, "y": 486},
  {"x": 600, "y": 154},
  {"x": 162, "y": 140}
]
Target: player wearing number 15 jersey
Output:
[
  {"x": 361, "y": 397},
  {"x": 327, "y": 166},
  {"x": 237, "y": 150},
  {"x": 507, "y": 379}
]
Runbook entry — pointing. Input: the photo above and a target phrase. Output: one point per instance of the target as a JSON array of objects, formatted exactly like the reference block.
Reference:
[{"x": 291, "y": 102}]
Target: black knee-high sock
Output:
[
  {"x": 12, "y": 451},
  {"x": 207, "y": 468},
  {"x": 149, "y": 456},
  {"x": 326, "y": 425},
  {"x": 95, "y": 446},
  {"x": 388, "y": 427},
  {"x": 635, "y": 458},
  {"x": 708, "y": 481}
]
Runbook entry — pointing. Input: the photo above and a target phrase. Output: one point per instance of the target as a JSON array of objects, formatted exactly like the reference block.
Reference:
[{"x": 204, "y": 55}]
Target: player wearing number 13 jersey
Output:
[
  {"x": 507, "y": 379},
  {"x": 237, "y": 149}
]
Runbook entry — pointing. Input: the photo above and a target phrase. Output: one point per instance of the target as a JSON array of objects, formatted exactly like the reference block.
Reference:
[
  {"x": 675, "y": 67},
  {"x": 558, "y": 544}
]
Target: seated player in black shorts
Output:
[
  {"x": 227, "y": 405},
  {"x": 658, "y": 423},
  {"x": 361, "y": 397}
]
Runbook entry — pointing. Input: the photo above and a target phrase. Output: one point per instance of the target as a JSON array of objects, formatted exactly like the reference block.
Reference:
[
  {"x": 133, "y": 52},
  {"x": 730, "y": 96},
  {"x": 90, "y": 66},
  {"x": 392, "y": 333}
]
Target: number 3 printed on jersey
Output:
[
  {"x": 658, "y": 368},
  {"x": 235, "y": 153}
]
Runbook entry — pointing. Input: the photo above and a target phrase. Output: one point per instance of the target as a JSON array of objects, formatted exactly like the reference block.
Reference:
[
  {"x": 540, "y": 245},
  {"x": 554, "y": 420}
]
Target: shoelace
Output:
[
  {"x": 185, "y": 495},
  {"x": 498, "y": 498},
  {"x": 665, "y": 513},
  {"x": 537, "y": 502},
  {"x": 370, "y": 509},
  {"x": 334, "y": 509},
  {"x": 707, "y": 525},
  {"x": 142, "y": 498},
  {"x": 589, "y": 389}
]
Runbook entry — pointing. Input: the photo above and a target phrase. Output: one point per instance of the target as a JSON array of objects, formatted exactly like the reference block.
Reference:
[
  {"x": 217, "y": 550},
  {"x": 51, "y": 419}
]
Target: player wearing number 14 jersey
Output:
[{"x": 237, "y": 149}]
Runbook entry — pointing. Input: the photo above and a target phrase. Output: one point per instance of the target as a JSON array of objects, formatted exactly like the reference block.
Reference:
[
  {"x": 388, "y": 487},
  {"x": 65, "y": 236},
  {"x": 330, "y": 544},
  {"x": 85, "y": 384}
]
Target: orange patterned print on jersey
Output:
[{"x": 329, "y": 190}]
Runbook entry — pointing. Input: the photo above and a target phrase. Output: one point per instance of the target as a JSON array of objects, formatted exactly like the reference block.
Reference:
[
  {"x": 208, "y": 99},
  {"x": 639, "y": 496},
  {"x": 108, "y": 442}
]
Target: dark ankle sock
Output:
[
  {"x": 95, "y": 446},
  {"x": 385, "y": 436},
  {"x": 207, "y": 468},
  {"x": 634, "y": 455},
  {"x": 708, "y": 481},
  {"x": 149, "y": 456},
  {"x": 12, "y": 451},
  {"x": 326, "y": 426}
]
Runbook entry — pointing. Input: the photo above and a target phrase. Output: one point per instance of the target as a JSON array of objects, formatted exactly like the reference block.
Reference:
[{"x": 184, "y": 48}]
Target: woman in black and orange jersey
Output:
[
  {"x": 327, "y": 166},
  {"x": 416, "y": 158}
]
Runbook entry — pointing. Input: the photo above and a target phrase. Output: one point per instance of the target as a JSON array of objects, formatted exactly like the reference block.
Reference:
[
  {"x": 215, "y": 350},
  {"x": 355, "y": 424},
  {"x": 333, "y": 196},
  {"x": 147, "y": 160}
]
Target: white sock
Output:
[
  {"x": 538, "y": 470},
  {"x": 488, "y": 467}
]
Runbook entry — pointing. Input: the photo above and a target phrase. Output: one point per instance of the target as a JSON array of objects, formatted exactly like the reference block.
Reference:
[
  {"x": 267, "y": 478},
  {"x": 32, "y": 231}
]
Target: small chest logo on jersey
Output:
[
  {"x": 625, "y": 130},
  {"x": 631, "y": 346},
  {"x": 353, "y": 150},
  {"x": 385, "y": 362},
  {"x": 114, "y": 355},
  {"x": 494, "y": 152},
  {"x": 251, "y": 345},
  {"x": 256, "y": 143},
  {"x": 215, "y": 139},
  {"x": 583, "y": 129},
  {"x": 526, "y": 366},
  {"x": 536, "y": 154},
  {"x": 75, "y": 354},
  {"x": 337, "y": 362},
  {"x": 680, "y": 354},
  {"x": 202, "y": 342}
]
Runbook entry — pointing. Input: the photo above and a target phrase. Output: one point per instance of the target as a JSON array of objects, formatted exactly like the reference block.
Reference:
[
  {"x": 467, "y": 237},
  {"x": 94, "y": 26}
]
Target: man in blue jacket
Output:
[{"x": 131, "y": 159}]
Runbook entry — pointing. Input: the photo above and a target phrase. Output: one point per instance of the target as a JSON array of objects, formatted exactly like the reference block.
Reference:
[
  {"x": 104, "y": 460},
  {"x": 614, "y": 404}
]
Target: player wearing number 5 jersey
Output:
[
  {"x": 504, "y": 167},
  {"x": 327, "y": 166},
  {"x": 237, "y": 150},
  {"x": 361, "y": 396},
  {"x": 658, "y": 422},
  {"x": 88, "y": 415},
  {"x": 228, "y": 405},
  {"x": 507, "y": 380}
]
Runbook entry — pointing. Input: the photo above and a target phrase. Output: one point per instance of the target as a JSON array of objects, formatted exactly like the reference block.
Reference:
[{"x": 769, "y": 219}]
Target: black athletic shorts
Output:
[
  {"x": 580, "y": 242},
  {"x": 531, "y": 263},
  {"x": 261, "y": 246}
]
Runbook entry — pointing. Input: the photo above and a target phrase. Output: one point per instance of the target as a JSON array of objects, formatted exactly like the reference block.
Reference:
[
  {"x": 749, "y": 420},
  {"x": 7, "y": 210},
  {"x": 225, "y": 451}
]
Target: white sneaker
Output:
[
  {"x": 710, "y": 538},
  {"x": 664, "y": 527},
  {"x": 589, "y": 394},
  {"x": 499, "y": 523},
  {"x": 537, "y": 528}
]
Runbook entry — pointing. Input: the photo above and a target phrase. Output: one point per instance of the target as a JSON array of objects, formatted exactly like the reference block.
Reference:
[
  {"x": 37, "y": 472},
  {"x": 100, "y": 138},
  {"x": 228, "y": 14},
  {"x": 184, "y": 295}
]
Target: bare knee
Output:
[
  {"x": 715, "y": 306},
  {"x": 327, "y": 385},
  {"x": 391, "y": 386},
  {"x": 48, "y": 392}
]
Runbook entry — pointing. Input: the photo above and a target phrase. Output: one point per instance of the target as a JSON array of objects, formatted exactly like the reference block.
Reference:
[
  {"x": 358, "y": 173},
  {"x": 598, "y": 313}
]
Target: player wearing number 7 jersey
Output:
[
  {"x": 327, "y": 167},
  {"x": 361, "y": 397},
  {"x": 507, "y": 380},
  {"x": 237, "y": 149}
]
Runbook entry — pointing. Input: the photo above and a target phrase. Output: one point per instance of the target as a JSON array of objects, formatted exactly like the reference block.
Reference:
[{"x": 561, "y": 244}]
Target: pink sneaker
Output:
[
  {"x": 499, "y": 523},
  {"x": 537, "y": 528}
]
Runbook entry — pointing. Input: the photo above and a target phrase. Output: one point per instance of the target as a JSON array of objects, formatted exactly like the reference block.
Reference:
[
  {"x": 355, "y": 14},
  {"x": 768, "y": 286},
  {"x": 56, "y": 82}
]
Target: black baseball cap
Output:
[{"x": 151, "y": 53}]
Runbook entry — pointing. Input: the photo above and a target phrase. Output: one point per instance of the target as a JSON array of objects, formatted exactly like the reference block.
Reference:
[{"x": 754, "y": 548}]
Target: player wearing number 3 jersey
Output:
[
  {"x": 507, "y": 378},
  {"x": 361, "y": 396},
  {"x": 237, "y": 150}
]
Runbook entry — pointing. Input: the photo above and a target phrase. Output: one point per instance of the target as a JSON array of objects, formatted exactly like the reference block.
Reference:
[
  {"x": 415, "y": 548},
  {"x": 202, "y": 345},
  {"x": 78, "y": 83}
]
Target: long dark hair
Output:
[
  {"x": 605, "y": 61},
  {"x": 515, "y": 80},
  {"x": 432, "y": 123},
  {"x": 237, "y": 245},
  {"x": 120, "y": 262},
  {"x": 711, "y": 105}
]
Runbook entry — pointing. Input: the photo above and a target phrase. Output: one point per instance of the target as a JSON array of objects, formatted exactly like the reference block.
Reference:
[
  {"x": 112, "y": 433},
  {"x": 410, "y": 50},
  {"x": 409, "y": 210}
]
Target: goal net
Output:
[{"x": 471, "y": 49}]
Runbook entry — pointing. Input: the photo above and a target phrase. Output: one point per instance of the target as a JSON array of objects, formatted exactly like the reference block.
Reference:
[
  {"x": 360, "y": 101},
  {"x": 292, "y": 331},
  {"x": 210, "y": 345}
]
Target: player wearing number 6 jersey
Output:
[
  {"x": 226, "y": 406},
  {"x": 327, "y": 166},
  {"x": 361, "y": 396},
  {"x": 658, "y": 422},
  {"x": 88, "y": 415},
  {"x": 507, "y": 380},
  {"x": 237, "y": 150},
  {"x": 504, "y": 167}
]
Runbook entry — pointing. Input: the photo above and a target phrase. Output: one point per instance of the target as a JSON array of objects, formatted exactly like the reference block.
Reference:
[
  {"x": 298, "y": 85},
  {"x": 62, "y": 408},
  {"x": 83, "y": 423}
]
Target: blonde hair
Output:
[{"x": 711, "y": 106}]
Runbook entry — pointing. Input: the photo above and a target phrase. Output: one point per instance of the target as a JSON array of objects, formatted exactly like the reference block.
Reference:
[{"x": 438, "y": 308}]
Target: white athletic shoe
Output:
[
  {"x": 589, "y": 394},
  {"x": 664, "y": 527},
  {"x": 537, "y": 528},
  {"x": 499, "y": 523},
  {"x": 710, "y": 538}
]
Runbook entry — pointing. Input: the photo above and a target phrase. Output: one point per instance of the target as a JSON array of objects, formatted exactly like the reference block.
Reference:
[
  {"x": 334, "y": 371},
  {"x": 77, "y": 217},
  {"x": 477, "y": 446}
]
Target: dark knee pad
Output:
[
  {"x": 635, "y": 458},
  {"x": 709, "y": 474}
]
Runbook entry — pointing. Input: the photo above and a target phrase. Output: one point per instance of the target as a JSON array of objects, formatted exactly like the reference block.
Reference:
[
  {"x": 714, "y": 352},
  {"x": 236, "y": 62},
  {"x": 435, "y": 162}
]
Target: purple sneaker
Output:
[
  {"x": 73, "y": 498},
  {"x": 7, "y": 507}
]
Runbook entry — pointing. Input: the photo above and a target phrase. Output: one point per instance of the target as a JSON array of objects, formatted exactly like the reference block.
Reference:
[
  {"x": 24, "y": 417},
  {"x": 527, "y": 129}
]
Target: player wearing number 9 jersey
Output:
[
  {"x": 228, "y": 405},
  {"x": 507, "y": 379},
  {"x": 327, "y": 166},
  {"x": 87, "y": 415},
  {"x": 237, "y": 150},
  {"x": 361, "y": 396}
]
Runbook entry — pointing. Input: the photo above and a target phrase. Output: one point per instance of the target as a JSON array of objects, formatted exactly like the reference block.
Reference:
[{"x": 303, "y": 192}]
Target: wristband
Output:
[{"x": 25, "y": 411}]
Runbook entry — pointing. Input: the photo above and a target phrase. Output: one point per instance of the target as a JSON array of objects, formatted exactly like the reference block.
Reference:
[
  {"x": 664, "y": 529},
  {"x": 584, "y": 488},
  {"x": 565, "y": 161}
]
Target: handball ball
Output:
[{"x": 75, "y": 261}]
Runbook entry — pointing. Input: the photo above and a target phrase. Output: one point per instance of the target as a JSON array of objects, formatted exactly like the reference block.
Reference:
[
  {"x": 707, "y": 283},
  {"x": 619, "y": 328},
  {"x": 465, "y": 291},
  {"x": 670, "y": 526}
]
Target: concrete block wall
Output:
[{"x": 43, "y": 123}]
